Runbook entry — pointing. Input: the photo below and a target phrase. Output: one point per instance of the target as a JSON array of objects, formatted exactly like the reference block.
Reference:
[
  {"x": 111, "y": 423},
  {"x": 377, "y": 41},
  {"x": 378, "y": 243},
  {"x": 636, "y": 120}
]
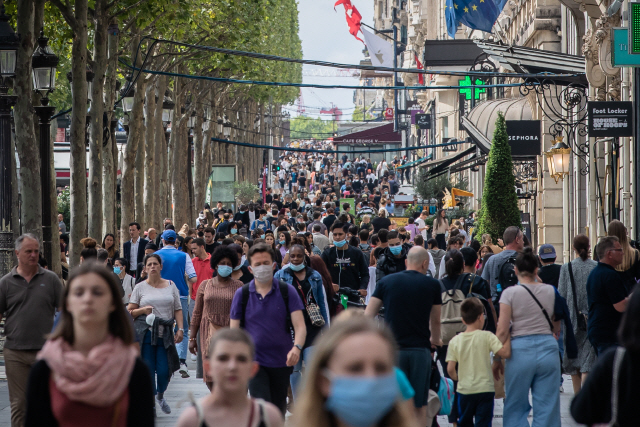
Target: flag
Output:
[
  {"x": 475, "y": 14},
  {"x": 420, "y": 67},
  {"x": 380, "y": 51},
  {"x": 354, "y": 18}
]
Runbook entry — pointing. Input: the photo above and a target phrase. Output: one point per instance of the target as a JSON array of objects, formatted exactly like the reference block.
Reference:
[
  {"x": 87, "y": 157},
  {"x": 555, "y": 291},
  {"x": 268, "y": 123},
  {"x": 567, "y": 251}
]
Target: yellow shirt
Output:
[{"x": 472, "y": 352}]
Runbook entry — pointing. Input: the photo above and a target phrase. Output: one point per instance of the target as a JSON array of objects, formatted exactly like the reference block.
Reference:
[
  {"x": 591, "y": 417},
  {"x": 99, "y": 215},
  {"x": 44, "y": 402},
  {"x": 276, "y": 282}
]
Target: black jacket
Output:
[
  {"x": 348, "y": 268},
  {"x": 40, "y": 414},
  {"x": 127, "y": 250},
  {"x": 389, "y": 264}
]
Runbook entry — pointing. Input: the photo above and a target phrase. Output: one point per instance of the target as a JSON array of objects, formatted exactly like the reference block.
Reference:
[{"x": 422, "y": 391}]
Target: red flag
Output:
[
  {"x": 353, "y": 17},
  {"x": 420, "y": 67}
]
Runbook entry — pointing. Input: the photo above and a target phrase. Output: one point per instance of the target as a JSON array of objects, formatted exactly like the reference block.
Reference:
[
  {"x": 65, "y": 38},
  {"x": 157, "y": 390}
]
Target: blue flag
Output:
[{"x": 475, "y": 14}]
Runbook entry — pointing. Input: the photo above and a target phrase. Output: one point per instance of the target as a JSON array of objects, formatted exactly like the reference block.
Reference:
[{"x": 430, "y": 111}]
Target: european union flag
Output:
[{"x": 475, "y": 14}]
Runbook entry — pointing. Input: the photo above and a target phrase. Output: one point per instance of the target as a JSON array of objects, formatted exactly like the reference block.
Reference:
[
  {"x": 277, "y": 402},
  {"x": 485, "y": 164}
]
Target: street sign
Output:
[
  {"x": 610, "y": 118},
  {"x": 524, "y": 137},
  {"x": 620, "y": 56},
  {"x": 388, "y": 113},
  {"x": 423, "y": 121}
]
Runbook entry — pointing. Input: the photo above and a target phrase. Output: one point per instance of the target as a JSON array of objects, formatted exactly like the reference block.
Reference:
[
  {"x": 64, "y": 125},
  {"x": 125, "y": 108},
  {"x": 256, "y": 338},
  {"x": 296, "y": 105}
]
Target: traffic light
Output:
[{"x": 634, "y": 27}]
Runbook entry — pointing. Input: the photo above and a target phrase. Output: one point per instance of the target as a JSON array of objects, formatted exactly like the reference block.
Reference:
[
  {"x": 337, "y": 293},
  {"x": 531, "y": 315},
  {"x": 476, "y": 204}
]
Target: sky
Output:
[{"x": 325, "y": 36}]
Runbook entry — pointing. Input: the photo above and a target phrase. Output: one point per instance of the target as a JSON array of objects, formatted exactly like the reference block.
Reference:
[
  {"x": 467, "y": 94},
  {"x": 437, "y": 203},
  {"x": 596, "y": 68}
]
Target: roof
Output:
[
  {"x": 480, "y": 123},
  {"x": 529, "y": 60},
  {"x": 379, "y": 135}
]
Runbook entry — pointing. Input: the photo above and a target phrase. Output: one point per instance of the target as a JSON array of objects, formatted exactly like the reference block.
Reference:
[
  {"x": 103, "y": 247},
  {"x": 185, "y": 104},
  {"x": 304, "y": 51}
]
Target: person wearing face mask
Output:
[
  {"x": 347, "y": 264},
  {"x": 213, "y": 303},
  {"x": 352, "y": 381},
  {"x": 308, "y": 283},
  {"x": 241, "y": 219},
  {"x": 393, "y": 258},
  {"x": 268, "y": 309},
  {"x": 127, "y": 281},
  {"x": 240, "y": 272}
]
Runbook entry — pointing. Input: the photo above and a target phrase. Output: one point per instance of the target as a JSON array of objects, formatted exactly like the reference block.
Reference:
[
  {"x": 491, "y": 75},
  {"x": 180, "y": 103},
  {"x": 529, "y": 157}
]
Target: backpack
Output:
[
  {"x": 507, "y": 276},
  {"x": 366, "y": 250},
  {"x": 450, "y": 316},
  {"x": 284, "y": 291}
]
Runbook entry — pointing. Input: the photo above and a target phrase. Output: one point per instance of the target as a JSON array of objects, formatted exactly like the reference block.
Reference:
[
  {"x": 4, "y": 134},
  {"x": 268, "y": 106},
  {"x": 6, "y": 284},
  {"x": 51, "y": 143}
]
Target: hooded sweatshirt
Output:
[{"x": 437, "y": 255}]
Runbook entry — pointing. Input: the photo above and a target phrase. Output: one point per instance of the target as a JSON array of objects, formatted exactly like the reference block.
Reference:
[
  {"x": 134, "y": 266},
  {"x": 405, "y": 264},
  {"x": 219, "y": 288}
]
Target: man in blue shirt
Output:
[
  {"x": 175, "y": 266},
  {"x": 606, "y": 295}
]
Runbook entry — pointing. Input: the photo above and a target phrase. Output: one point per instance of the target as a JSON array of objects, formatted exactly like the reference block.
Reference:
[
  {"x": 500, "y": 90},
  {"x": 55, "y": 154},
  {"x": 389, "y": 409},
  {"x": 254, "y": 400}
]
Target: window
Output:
[{"x": 445, "y": 127}]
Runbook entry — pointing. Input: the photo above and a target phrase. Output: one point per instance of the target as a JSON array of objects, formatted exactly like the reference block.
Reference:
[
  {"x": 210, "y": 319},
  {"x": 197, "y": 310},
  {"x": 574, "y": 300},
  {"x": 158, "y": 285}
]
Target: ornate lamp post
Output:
[
  {"x": 8, "y": 51},
  {"x": 558, "y": 158},
  {"x": 44, "y": 63}
]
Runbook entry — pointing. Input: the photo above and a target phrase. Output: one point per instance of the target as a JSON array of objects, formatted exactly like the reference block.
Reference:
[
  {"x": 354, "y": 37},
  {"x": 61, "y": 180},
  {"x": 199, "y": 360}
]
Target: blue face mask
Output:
[
  {"x": 282, "y": 242},
  {"x": 262, "y": 236},
  {"x": 117, "y": 270},
  {"x": 241, "y": 212},
  {"x": 238, "y": 267},
  {"x": 297, "y": 267},
  {"x": 362, "y": 401},
  {"x": 224, "y": 270},
  {"x": 340, "y": 243},
  {"x": 234, "y": 230},
  {"x": 395, "y": 249}
]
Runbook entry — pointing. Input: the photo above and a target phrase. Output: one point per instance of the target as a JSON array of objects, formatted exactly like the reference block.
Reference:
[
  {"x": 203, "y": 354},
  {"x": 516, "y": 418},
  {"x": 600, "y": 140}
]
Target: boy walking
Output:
[{"x": 471, "y": 351}]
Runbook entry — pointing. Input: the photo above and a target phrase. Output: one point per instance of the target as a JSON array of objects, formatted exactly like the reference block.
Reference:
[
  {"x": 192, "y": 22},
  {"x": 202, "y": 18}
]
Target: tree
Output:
[
  {"x": 499, "y": 200},
  {"x": 245, "y": 192},
  {"x": 307, "y": 128},
  {"x": 359, "y": 115},
  {"x": 433, "y": 188}
]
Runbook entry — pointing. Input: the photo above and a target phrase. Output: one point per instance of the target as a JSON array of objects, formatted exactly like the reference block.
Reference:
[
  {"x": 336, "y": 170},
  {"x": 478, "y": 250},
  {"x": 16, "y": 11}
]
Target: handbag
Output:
[
  {"x": 582, "y": 317},
  {"x": 312, "y": 309},
  {"x": 446, "y": 395}
]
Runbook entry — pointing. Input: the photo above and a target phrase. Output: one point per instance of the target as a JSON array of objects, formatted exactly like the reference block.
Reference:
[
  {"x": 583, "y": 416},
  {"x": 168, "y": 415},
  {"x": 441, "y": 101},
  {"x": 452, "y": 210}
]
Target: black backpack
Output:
[
  {"x": 284, "y": 291},
  {"x": 507, "y": 276}
]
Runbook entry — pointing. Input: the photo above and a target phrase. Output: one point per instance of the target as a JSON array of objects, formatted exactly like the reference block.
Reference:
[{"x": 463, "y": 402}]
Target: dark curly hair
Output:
[{"x": 223, "y": 252}]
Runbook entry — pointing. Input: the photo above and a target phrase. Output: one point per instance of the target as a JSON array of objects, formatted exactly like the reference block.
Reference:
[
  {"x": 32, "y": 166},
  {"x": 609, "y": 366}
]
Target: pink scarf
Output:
[{"x": 98, "y": 379}]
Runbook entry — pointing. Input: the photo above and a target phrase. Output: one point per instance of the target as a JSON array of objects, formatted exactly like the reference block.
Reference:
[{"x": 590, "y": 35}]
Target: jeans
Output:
[
  {"x": 183, "y": 347},
  {"x": 18, "y": 364},
  {"x": 534, "y": 365},
  {"x": 155, "y": 357},
  {"x": 296, "y": 375},
  {"x": 272, "y": 385},
  {"x": 561, "y": 349},
  {"x": 478, "y": 405}
]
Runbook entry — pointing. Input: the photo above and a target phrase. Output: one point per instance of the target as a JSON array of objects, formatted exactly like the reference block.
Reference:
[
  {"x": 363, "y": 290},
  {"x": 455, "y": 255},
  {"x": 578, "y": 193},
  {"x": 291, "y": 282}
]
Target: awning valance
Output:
[
  {"x": 375, "y": 136},
  {"x": 480, "y": 123}
]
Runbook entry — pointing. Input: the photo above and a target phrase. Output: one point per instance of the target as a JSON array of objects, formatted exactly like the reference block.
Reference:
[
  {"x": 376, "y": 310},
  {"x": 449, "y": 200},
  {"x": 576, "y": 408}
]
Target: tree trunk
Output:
[
  {"x": 179, "y": 183},
  {"x": 139, "y": 171},
  {"x": 127, "y": 185},
  {"x": 109, "y": 165},
  {"x": 150, "y": 166},
  {"x": 159, "y": 166},
  {"x": 96, "y": 123},
  {"x": 26, "y": 142},
  {"x": 198, "y": 159},
  {"x": 77, "y": 136}
]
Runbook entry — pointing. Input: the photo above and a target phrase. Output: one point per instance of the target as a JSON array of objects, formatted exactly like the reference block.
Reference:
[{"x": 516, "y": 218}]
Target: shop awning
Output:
[
  {"x": 375, "y": 136},
  {"x": 446, "y": 163},
  {"x": 417, "y": 162},
  {"x": 528, "y": 60},
  {"x": 480, "y": 123}
]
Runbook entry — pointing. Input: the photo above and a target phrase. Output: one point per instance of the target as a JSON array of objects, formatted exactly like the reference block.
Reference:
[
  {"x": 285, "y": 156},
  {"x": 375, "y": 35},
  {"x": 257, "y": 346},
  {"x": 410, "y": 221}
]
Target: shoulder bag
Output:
[
  {"x": 312, "y": 309},
  {"x": 582, "y": 317},
  {"x": 544, "y": 311}
]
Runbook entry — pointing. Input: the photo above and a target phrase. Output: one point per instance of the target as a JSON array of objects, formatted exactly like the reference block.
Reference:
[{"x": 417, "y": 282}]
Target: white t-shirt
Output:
[{"x": 421, "y": 224}]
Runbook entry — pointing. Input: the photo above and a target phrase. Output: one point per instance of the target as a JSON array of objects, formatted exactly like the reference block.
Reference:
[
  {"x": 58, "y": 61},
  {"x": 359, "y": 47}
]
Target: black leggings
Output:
[{"x": 272, "y": 385}]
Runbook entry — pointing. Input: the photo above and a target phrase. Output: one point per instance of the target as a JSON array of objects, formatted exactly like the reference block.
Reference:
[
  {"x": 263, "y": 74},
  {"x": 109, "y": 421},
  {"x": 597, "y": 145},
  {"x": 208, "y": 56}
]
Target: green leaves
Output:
[
  {"x": 308, "y": 128},
  {"x": 499, "y": 200}
]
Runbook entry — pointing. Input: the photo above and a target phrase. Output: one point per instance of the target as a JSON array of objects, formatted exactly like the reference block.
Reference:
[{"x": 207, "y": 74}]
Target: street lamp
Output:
[
  {"x": 44, "y": 63},
  {"x": 558, "y": 159},
  {"x": 167, "y": 107},
  {"x": 127, "y": 93},
  {"x": 8, "y": 49},
  {"x": 191, "y": 122},
  {"x": 220, "y": 125},
  {"x": 226, "y": 127}
]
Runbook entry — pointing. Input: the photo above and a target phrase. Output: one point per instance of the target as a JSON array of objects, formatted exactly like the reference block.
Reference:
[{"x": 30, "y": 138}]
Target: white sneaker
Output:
[
  {"x": 184, "y": 371},
  {"x": 194, "y": 357},
  {"x": 164, "y": 405}
]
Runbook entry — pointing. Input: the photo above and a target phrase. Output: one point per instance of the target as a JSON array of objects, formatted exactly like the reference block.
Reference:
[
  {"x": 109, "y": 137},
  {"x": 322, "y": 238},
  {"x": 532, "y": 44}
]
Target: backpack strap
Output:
[
  {"x": 544, "y": 311},
  {"x": 245, "y": 300},
  {"x": 472, "y": 280},
  {"x": 573, "y": 289}
]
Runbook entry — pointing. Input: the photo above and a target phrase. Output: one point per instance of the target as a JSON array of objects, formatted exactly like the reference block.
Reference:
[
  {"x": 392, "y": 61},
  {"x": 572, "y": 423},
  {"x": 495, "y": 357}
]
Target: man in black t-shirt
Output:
[
  {"x": 412, "y": 304},
  {"x": 209, "y": 240},
  {"x": 549, "y": 273}
]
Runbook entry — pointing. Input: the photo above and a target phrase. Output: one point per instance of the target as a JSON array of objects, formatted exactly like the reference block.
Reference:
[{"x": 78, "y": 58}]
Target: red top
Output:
[
  {"x": 76, "y": 414},
  {"x": 203, "y": 271}
]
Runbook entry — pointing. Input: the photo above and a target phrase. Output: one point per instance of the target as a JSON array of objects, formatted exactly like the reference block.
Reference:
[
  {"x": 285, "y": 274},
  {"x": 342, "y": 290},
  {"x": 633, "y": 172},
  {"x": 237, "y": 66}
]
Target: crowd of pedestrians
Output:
[{"x": 318, "y": 300}]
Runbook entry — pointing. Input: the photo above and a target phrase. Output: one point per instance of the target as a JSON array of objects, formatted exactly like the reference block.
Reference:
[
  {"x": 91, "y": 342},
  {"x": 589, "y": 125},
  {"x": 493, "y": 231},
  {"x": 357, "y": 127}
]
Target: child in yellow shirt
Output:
[{"x": 471, "y": 351}]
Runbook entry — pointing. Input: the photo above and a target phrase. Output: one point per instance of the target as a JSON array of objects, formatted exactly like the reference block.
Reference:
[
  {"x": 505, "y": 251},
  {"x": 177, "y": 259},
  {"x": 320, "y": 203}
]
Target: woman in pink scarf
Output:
[{"x": 88, "y": 371}]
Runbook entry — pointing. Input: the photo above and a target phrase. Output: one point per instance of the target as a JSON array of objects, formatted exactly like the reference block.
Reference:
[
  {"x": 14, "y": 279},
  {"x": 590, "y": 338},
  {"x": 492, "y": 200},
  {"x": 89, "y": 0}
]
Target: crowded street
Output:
[{"x": 358, "y": 213}]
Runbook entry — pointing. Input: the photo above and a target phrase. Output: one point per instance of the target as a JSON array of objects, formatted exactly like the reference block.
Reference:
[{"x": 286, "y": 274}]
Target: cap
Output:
[
  {"x": 547, "y": 251},
  {"x": 169, "y": 236}
]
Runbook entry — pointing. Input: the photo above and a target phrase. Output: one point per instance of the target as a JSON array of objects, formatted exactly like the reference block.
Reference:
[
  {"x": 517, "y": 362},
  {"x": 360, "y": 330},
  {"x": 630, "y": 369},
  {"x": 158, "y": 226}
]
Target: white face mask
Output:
[{"x": 263, "y": 273}]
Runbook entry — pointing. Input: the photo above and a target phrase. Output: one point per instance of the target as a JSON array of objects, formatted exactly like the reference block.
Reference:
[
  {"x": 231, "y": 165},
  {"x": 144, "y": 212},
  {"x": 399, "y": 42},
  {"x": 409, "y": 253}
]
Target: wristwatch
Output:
[
  {"x": 298, "y": 347},
  {"x": 181, "y": 329}
]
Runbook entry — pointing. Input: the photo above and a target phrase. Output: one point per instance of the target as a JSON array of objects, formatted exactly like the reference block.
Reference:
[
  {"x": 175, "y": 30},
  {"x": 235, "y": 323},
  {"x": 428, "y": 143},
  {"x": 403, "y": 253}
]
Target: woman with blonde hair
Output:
[
  {"x": 630, "y": 267},
  {"x": 184, "y": 230},
  {"x": 488, "y": 241},
  {"x": 351, "y": 381}
]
